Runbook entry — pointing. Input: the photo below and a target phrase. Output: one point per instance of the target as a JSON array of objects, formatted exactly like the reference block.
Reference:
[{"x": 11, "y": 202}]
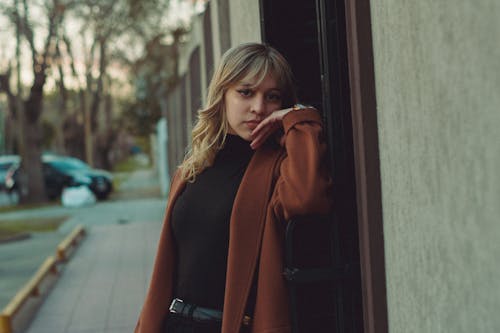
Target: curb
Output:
[{"x": 33, "y": 286}]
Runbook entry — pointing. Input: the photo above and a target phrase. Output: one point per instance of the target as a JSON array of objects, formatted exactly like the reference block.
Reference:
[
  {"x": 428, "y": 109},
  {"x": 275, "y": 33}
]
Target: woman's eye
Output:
[
  {"x": 245, "y": 92},
  {"x": 274, "y": 97}
]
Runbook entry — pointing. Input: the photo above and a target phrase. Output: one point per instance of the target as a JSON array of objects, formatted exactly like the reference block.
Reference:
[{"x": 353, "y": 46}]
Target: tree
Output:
[
  {"x": 29, "y": 109},
  {"x": 104, "y": 21},
  {"x": 11, "y": 115},
  {"x": 155, "y": 75},
  {"x": 113, "y": 38},
  {"x": 139, "y": 35}
]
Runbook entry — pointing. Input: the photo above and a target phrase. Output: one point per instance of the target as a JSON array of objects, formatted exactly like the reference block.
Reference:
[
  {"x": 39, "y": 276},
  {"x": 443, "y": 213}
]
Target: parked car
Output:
[
  {"x": 63, "y": 171},
  {"x": 6, "y": 162}
]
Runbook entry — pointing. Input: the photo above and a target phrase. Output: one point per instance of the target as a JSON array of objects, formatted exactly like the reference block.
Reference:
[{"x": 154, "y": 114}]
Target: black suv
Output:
[{"x": 62, "y": 171}]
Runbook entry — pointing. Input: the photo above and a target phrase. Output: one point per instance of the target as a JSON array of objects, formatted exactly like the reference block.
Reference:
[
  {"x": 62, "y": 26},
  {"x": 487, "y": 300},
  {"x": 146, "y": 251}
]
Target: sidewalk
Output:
[
  {"x": 102, "y": 288},
  {"x": 19, "y": 261}
]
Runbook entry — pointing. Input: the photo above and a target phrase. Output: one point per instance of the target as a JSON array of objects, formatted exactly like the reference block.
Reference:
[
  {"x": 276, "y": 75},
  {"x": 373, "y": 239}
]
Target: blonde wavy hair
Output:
[{"x": 249, "y": 61}]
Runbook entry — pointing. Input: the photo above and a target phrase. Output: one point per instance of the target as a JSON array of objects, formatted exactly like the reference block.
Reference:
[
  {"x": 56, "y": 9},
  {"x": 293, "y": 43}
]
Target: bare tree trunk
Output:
[
  {"x": 96, "y": 103},
  {"x": 106, "y": 136},
  {"x": 31, "y": 165},
  {"x": 30, "y": 182},
  {"x": 20, "y": 119},
  {"x": 87, "y": 117},
  {"x": 11, "y": 118},
  {"x": 30, "y": 174},
  {"x": 63, "y": 103},
  {"x": 97, "y": 93},
  {"x": 10, "y": 135},
  {"x": 74, "y": 136}
]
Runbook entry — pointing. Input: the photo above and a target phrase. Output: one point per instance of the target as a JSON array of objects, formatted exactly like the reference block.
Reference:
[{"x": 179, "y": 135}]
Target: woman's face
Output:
[{"x": 246, "y": 106}]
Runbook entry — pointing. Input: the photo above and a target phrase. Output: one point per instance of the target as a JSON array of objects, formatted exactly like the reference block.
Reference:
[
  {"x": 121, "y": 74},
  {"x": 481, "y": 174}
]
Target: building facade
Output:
[{"x": 410, "y": 98}]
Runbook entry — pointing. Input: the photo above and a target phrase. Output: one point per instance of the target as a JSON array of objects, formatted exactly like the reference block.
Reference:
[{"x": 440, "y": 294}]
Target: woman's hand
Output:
[{"x": 267, "y": 127}]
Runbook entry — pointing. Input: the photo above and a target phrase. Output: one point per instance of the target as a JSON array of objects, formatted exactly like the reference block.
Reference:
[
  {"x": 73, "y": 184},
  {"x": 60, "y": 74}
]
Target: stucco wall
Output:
[
  {"x": 245, "y": 21},
  {"x": 437, "y": 67}
]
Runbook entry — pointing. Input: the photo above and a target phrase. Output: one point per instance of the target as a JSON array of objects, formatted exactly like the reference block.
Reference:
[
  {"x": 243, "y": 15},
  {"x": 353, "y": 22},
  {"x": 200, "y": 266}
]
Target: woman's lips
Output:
[{"x": 252, "y": 124}]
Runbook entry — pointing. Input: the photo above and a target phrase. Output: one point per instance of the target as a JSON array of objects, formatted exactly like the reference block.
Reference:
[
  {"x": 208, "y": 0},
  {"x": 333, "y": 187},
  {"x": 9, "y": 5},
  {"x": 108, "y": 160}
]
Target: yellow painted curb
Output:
[
  {"x": 69, "y": 242},
  {"x": 32, "y": 287},
  {"x": 29, "y": 289}
]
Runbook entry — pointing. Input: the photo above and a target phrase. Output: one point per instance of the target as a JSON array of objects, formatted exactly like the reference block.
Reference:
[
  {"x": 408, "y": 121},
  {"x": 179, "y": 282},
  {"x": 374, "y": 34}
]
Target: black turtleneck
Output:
[{"x": 200, "y": 223}]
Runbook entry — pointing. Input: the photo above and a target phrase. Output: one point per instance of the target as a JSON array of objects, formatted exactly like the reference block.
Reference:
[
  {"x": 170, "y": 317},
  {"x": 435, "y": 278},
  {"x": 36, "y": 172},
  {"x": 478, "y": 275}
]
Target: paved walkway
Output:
[
  {"x": 19, "y": 261},
  {"x": 102, "y": 288}
]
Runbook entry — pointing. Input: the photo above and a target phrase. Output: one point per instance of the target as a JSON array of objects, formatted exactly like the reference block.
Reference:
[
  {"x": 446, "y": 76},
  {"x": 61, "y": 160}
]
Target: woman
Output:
[{"x": 255, "y": 162}]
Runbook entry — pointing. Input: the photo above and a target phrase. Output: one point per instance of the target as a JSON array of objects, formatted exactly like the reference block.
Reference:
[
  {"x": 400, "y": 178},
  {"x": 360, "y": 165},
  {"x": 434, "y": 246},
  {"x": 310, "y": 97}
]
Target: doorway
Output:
[{"x": 313, "y": 36}]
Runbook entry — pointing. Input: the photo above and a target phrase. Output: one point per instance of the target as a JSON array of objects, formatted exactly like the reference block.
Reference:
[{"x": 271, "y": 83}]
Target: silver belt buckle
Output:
[{"x": 172, "y": 305}]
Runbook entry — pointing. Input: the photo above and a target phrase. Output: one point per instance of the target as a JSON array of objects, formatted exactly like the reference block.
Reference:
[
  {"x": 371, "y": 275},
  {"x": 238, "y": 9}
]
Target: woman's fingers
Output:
[
  {"x": 260, "y": 138},
  {"x": 267, "y": 126},
  {"x": 262, "y": 135},
  {"x": 259, "y": 130},
  {"x": 264, "y": 123},
  {"x": 273, "y": 117}
]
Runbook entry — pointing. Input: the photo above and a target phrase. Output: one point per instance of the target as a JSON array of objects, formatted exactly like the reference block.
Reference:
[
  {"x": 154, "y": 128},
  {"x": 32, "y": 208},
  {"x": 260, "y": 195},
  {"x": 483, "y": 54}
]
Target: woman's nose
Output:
[{"x": 258, "y": 105}]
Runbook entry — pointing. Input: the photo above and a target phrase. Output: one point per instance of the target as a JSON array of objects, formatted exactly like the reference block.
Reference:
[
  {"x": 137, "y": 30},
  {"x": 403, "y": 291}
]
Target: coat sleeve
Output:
[{"x": 303, "y": 185}]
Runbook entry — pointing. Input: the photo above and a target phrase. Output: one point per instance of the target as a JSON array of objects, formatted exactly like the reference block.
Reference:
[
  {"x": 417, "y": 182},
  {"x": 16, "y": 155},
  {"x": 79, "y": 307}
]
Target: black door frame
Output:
[
  {"x": 356, "y": 84},
  {"x": 367, "y": 164}
]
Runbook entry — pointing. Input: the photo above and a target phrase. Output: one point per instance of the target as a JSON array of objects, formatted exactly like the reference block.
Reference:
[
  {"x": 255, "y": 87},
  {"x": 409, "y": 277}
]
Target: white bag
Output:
[{"x": 78, "y": 196}]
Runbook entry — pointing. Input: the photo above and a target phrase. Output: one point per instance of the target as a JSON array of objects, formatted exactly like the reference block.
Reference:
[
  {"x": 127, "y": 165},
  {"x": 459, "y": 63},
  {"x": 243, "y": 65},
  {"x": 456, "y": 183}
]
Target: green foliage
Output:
[
  {"x": 155, "y": 75},
  {"x": 144, "y": 143},
  {"x": 89, "y": 41},
  {"x": 130, "y": 164},
  {"x": 18, "y": 207}
]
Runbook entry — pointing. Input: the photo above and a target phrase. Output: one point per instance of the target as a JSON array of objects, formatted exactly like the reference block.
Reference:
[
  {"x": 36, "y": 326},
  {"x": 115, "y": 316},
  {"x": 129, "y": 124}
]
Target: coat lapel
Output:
[{"x": 246, "y": 227}]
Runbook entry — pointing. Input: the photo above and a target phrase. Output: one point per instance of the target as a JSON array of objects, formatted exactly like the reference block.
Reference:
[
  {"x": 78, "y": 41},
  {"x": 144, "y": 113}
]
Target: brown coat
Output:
[{"x": 278, "y": 184}]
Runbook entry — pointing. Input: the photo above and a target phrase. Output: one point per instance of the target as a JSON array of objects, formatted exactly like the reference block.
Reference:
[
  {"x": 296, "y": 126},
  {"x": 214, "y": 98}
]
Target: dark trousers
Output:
[{"x": 176, "y": 324}]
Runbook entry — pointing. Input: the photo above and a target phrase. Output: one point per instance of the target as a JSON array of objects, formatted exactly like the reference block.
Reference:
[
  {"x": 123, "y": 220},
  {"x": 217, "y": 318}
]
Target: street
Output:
[{"x": 109, "y": 270}]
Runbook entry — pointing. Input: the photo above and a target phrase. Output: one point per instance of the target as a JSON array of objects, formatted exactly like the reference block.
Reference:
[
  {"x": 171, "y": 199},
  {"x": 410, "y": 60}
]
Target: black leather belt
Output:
[{"x": 198, "y": 313}]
